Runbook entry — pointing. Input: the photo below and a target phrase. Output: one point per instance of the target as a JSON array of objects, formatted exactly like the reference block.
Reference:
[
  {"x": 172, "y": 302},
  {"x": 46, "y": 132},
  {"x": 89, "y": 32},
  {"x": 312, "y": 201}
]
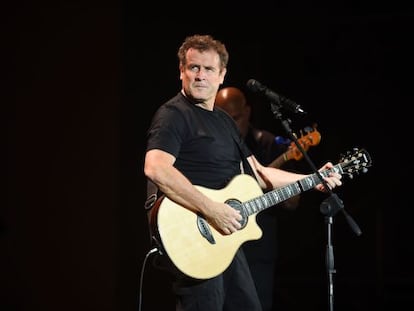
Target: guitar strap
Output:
[
  {"x": 247, "y": 169},
  {"x": 152, "y": 195}
]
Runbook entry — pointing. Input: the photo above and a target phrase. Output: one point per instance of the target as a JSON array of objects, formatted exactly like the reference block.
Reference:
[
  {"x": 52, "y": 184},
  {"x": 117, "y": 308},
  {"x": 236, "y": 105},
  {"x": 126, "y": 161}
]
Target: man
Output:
[{"x": 191, "y": 143}]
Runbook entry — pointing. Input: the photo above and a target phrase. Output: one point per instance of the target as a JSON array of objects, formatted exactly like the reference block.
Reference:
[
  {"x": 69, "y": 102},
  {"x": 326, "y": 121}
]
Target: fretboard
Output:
[{"x": 279, "y": 195}]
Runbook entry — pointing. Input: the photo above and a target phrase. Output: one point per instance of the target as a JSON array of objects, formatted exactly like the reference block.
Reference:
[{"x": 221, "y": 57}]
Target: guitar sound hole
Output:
[{"x": 237, "y": 205}]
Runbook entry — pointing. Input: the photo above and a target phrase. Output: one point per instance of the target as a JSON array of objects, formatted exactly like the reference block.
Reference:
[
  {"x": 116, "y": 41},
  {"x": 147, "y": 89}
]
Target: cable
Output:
[{"x": 153, "y": 250}]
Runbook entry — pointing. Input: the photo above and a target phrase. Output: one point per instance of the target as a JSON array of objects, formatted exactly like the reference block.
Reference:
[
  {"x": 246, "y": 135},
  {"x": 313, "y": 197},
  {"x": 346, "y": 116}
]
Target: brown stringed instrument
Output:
[{"x": 312, "y": 138}]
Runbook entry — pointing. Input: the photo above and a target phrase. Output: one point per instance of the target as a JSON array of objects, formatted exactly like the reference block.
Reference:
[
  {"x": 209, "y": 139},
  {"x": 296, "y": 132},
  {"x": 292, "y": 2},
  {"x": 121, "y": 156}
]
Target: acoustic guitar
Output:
[{"x": 200, "y": 251}]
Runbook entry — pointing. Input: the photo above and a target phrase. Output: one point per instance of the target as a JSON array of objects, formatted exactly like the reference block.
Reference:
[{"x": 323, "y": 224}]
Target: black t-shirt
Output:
[{"x": 202, "y": 141}]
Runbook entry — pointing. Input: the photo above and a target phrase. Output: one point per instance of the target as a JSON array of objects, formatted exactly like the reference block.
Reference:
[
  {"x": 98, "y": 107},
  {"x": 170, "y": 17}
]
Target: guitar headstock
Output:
[
  {"x": 311, "y": 138},
  {"x": 355, "y": 161}
]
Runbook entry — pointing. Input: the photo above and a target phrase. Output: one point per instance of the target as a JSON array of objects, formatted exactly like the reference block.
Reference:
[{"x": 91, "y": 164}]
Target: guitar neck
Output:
[
  {"x": 284, "y": 193},
  {"x": 279, "y": 161}
]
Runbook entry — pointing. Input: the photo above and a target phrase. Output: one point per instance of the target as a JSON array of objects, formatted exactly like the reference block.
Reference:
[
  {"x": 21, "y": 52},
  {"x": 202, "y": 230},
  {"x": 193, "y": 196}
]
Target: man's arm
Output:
[
  {"x": 160, "y": 170},
  {"x": 272, "y": 178}
]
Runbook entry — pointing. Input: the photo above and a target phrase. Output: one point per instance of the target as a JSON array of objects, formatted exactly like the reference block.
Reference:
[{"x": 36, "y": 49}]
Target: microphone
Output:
[{"x": 257, "y": 87}]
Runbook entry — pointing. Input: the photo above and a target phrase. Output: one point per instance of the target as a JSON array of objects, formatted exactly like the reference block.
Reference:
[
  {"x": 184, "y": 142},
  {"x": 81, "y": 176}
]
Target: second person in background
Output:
[{"x": 261, "y": 254}]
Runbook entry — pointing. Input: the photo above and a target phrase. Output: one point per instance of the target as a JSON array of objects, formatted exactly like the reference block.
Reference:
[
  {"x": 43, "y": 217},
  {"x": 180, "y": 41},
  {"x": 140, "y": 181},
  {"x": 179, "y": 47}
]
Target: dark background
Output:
[{"x": 82, "y": 82}]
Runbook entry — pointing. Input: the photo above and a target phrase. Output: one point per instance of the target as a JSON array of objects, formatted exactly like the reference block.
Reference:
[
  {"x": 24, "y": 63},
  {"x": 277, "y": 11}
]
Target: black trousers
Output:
[{"x": 233, "y": 290}]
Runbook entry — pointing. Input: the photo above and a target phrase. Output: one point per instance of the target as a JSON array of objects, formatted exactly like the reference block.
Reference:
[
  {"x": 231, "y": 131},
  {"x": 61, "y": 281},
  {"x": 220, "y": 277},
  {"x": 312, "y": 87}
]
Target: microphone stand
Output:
[{"x": 329, "y": 206}]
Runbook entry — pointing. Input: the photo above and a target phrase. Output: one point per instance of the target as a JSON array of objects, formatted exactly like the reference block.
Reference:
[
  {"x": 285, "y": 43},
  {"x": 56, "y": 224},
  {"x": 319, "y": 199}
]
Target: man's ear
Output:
[{"x": 223, "y": 74}]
